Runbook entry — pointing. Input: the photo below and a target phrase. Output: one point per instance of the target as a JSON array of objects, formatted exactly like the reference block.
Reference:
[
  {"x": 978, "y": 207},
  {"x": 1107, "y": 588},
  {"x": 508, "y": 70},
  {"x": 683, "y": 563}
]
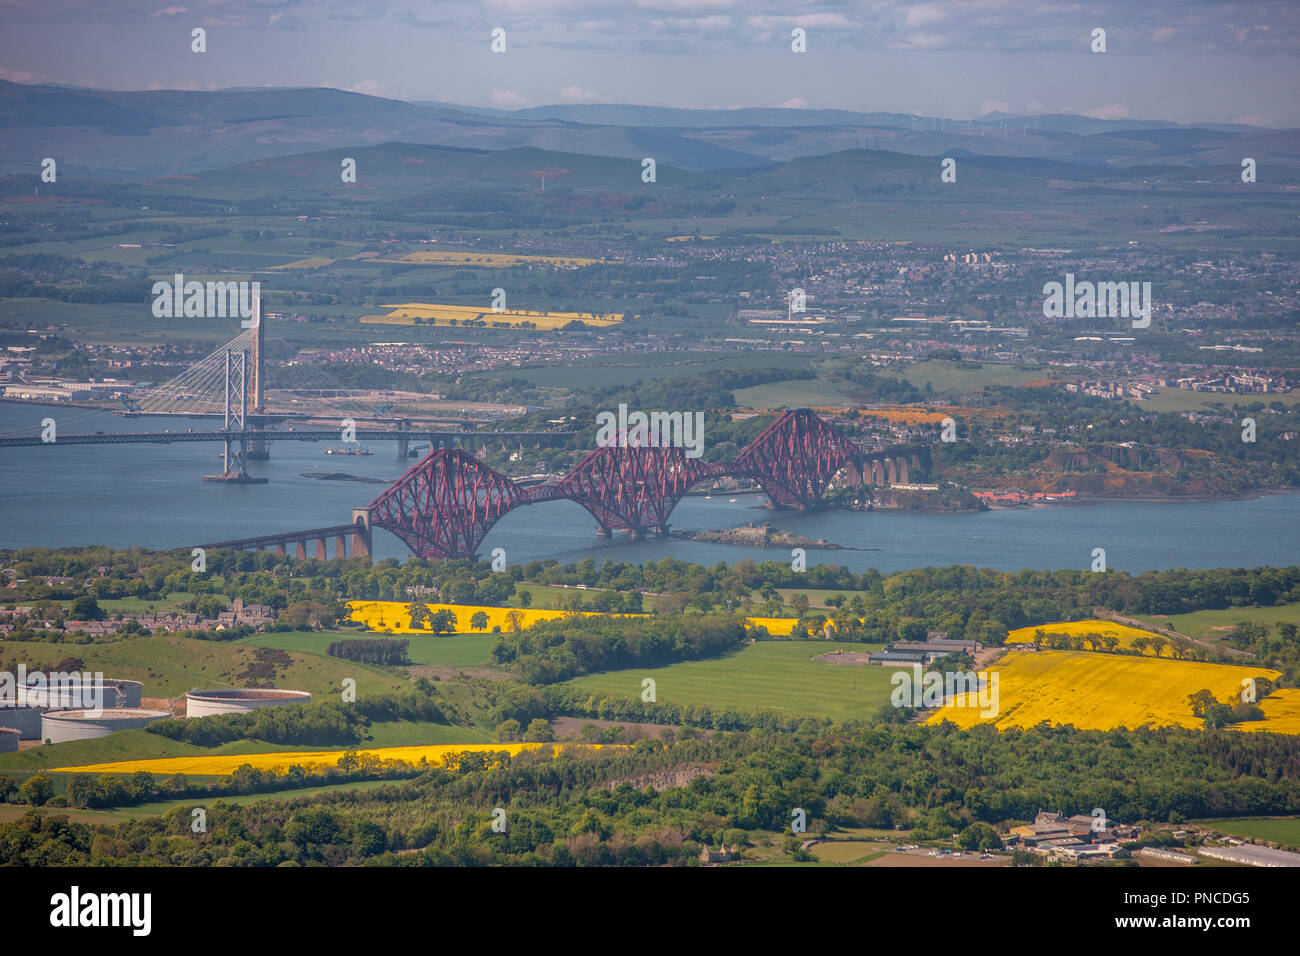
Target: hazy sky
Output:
[{"x": 1181, "y": 60}]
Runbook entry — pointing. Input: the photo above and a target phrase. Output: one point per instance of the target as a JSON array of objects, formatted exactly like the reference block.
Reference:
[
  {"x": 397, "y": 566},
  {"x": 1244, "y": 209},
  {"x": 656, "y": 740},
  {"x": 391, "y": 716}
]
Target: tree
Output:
[
  {"x": 539, "y": 730},
  {"x": 515, "y": 620},
  {"x": 1201, "y": 702},
  {"x": 979, "y": 836},
  {"x": 443, "y": 622},
  {"x": 86, "y": 608},
  {"x": 508, "y": 730},
  {"x": 37, "y": 790},
  {"x": 418, "y": 612},
  {"x": 479, "y": 621},
  {"x": 800, "y": 604},
  {"x": 525, "y": 599}
]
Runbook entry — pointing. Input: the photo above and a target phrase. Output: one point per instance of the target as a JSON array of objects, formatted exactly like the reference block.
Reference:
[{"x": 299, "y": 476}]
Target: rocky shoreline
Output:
[{"x": 760, "y": 536}]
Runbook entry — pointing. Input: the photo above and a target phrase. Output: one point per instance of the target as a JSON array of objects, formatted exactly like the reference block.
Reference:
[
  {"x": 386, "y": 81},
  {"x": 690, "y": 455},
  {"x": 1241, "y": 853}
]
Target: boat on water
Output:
[{"x": 348, "y": 451}]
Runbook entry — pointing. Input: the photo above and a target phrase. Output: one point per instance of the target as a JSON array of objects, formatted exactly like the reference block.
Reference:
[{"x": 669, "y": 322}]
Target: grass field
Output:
[
  {"x": 1183, "y": 400},
  {"x": 134, "y": 605},
  {"x": 1102, "y": 691},
  {"x": 210, "y": 764},
  {"x": 1214, "y": 624},
  {"x": 769, "y": 675},
  {"x": 955, "y": 379},
  {"x": 797, "y": 393},
  {"x": 446, "y": 650},
  {"x": 849, "y": 852},
  {"x": 169, "y": 666},
  {"x": 1281, "y": 830}
]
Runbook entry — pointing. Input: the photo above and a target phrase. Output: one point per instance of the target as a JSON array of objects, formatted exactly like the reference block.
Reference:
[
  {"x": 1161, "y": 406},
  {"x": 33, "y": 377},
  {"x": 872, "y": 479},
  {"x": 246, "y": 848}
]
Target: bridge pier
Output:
[
  {"x": 279, "y": 548},
  {"x": 301, "y": 554},
  {"x": 362, "y": 535},
  {"x": 341, "y": 546},
  {"x": 403, "y": 444},
  {"x": 257, "y": 450},
  {"x": 320, "y": 550}
]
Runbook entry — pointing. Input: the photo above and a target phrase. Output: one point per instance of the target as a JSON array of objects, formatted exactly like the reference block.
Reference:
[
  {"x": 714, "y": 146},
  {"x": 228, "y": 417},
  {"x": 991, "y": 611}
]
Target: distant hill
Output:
[
  {"x": 412, "y": 168},
  {"x": 147, "y": 134}
]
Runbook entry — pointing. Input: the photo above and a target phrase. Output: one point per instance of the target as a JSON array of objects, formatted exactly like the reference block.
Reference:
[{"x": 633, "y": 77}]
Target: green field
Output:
[
  {"x": 1208, "y": 624},
  {"x": 955, "y": 379},
  {"x": 769, "y": 675},
  {"x": 157, "y": 808},
  {"x": 798, "y": 393},
  {"x": 1281, "y": 830},
  {"x": 169, "y": 666},
  {"x": 450, "y": 650},
  {"x": 816, "y": 596},
  {"x": 1181, "y": 400}
]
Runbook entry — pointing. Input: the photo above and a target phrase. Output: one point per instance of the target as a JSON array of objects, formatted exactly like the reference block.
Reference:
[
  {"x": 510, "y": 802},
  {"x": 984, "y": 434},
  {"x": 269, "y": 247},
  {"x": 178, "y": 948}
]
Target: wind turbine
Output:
[{"x": 915, "y": 117}]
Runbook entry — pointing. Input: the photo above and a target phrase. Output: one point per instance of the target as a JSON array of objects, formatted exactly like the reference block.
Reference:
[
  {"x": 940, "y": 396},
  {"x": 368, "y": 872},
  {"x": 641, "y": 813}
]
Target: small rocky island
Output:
[{"x": 759, "y": 536}]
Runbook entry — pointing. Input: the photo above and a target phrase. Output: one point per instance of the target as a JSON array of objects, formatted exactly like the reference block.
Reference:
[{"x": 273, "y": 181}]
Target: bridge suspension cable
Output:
[{"x": 200, "y": 389}]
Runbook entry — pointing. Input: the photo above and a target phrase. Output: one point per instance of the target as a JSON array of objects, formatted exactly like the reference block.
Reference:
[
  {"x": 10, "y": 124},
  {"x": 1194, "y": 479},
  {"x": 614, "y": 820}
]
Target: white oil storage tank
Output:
[
  {"x": 26, "y": 720},
  {"x": 205, "y": 703},
  {"x": 81, "y": 694},
  {"x": 59, "y": 726}
]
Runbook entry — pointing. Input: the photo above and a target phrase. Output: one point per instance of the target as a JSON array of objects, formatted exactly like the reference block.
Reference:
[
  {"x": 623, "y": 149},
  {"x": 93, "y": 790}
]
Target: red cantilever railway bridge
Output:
[{"x": 446, "y": 504}]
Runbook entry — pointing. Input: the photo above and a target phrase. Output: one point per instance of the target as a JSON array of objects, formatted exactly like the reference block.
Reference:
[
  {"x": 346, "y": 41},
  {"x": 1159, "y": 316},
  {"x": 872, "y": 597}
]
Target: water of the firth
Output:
[{"x": 152, "y": 496}]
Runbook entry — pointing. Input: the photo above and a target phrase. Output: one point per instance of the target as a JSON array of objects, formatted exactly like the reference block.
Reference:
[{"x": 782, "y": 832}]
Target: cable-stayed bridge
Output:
[{"x": 230, "y": 384}]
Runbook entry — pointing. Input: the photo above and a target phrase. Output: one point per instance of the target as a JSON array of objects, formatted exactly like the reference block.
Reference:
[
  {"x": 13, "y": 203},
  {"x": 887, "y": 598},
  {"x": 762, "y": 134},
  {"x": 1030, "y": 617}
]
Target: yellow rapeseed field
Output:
[
  {"x": 448, "y": 315},
  {"x": 1281, "y": 712},
  {"x": 392, "y": 617},
  {"x": 489, "y": 260},
  {"x": 313, "y": 262},
  {"x": 1123, "y": 633},
  {"x": 1106, "y": 691},
  {"x": 220, "y": 764}
]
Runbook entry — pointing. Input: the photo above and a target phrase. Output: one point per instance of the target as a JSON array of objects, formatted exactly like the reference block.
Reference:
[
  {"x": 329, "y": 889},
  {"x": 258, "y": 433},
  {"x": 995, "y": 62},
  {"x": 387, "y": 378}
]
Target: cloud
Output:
[
  {"x": 1111, "y": 112},
  {"x": 577, "y": 94},
  {"x": 168, "y": 12},
  {"x": 795, "y": 103},
  {"x": 20, "y": 76},
  {"x": 508, "y": 99},
  {"x": 994, "y": 106},
  {"x": 1254, "y": 119},
  {"x": 369, "y": 88},
  {"x": 925, "y": 14}
]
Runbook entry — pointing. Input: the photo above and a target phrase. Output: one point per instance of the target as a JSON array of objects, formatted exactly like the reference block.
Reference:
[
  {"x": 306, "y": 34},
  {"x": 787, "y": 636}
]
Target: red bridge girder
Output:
[
  {"x": 795, "y": 458},
  {"x": 446, "y": 504},
  {"x": 634, "y": 487}
]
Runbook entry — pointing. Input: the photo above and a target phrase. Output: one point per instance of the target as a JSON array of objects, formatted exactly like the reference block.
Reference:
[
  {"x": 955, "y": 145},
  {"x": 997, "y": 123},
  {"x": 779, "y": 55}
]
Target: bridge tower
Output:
[
  {"x": 257, "y": 450},
  {"x": 236, "y": 420}
]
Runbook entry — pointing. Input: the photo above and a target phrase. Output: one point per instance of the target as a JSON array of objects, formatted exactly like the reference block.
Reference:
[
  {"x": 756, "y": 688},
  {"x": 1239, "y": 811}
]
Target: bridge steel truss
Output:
[{"x": 444, "y": 506}]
